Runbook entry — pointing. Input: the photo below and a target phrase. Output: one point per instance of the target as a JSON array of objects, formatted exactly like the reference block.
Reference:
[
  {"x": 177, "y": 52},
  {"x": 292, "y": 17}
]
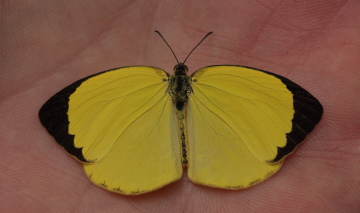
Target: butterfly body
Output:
[{"x": 179, "y": 90}]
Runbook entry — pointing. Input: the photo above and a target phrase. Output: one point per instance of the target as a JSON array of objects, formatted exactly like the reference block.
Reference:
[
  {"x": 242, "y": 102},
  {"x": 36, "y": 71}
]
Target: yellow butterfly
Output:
[{"x": 135, "y": 128}]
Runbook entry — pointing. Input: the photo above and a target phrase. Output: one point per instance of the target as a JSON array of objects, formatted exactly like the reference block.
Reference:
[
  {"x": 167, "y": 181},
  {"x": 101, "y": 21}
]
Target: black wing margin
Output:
[
  {"x": 308, "y": 112},
  {"x": 53, "y": 116}
]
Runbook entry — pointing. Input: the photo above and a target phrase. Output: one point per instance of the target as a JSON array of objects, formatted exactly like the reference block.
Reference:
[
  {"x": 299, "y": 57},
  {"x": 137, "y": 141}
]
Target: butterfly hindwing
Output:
[
  {"x": 122, "y": 123},
  {"x": 242, "y": 123}
]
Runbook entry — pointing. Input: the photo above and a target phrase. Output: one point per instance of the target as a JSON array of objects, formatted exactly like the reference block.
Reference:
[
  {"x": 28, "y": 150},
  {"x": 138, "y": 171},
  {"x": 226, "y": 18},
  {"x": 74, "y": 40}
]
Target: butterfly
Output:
[{"x": 135, "y": 128}]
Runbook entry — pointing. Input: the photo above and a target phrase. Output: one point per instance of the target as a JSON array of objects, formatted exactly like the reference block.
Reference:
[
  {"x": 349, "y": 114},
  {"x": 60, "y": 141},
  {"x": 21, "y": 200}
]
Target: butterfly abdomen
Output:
[{"x": 183, "y": 137}]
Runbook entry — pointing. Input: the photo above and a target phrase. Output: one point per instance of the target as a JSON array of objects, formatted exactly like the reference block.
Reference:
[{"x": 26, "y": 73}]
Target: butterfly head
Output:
[{"x": 180, "y": 69}]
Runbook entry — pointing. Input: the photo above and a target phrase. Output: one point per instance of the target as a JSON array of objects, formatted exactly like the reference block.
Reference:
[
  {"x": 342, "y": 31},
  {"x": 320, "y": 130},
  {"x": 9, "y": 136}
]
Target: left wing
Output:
[{"x": 122, "y": 125}]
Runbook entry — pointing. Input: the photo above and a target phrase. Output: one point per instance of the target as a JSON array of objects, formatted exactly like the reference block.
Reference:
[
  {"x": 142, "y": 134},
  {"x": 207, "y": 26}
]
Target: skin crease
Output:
[{"x": 47, "y": 45}]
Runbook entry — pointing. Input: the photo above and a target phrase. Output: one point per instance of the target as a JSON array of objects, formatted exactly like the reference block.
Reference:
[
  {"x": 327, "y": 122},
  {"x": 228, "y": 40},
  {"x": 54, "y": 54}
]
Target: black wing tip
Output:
[
  {"x": 308, "y": 113},
  {"x": 53, "y": 116}
]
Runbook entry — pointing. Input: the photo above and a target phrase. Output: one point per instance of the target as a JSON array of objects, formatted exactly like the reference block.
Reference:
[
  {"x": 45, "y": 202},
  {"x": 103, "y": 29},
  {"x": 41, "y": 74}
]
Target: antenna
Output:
[
  {"x": 168, "y": 45},
  {"x": 190, "y": 51},
  {"x": 197, "y": 46}
]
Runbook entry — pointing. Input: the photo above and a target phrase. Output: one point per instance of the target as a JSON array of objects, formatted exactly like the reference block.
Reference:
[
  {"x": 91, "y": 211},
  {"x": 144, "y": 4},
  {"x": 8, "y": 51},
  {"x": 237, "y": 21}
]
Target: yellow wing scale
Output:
[
  {"x": 143, "y": 158},
  {"x": 218, "y": 157}
]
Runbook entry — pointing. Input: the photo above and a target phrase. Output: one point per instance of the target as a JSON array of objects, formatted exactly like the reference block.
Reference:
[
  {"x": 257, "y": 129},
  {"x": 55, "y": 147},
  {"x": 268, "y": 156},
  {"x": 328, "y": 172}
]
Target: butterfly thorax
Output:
[{"x": 180, "y": 86}]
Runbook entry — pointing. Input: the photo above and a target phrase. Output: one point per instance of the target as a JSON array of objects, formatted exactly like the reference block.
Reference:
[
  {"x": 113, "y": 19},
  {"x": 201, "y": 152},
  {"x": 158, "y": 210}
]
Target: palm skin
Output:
[{"x": 48, "y": 45}]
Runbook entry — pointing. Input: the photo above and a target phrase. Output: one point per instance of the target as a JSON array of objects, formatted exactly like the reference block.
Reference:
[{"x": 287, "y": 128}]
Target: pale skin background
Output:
[{"x": 47, "y": 45}]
